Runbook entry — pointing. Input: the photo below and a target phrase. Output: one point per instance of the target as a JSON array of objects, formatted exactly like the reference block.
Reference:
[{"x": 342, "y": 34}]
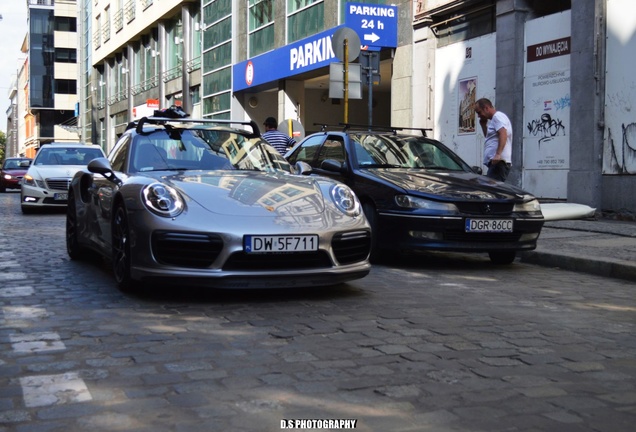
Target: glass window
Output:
[
  {"x": 261, "y": 26},
  {"x": 65, "y": 55},
  {"x": 64, "y": 86},
  {"x": 216, "y": 10},
  {"x": 305, "y": 18},
  {"x": 218, "y": 57},
  {"x": 307, "y": 152},
  {"x": 63, "y": 23}
]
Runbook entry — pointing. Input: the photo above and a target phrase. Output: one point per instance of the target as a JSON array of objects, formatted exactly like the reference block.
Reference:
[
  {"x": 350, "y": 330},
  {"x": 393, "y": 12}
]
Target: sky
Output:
[{"x": 13, "y": 29}]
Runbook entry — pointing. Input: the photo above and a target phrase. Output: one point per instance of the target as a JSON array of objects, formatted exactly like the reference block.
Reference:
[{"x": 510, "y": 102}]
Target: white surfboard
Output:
[{"x": 563, "y": 211}]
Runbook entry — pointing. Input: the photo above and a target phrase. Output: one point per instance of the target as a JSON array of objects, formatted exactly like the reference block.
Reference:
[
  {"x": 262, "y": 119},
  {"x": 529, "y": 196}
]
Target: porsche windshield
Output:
[
  {"x": 391, "y": 151},
  {"x": 204, "y": 149}
]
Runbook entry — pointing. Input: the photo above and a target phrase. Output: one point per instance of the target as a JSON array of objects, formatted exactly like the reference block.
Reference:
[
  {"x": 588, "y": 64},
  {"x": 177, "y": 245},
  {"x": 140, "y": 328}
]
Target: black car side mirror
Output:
[
  {"x": 477, "y": 170},
  {"x": 333, "y": 165}
]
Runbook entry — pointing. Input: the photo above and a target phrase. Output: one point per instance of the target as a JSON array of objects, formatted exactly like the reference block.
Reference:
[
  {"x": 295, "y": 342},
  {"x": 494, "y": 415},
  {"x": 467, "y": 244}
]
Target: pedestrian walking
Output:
[
  {"x": 497, "y": 130},
  {"x": 276, "y": 138}
]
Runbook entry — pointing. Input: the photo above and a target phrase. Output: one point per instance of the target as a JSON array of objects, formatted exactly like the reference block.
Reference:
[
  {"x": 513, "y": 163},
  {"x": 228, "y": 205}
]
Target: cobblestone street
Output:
[{"x": 425, "y": 343}]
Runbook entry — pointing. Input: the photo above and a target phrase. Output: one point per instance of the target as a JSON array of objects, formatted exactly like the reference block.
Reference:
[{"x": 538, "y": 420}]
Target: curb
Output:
[{"x": 597, "y": 266}]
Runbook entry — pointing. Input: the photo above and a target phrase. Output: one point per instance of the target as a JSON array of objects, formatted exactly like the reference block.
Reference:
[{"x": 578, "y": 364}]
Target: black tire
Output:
[
  {"x": 377, "y": 254},
  {"x": 73, "y": 248},
  {"x": 2, "y": 189},
  {"x": 121, "y": 249},
  {"x": 502, "y": 257}
]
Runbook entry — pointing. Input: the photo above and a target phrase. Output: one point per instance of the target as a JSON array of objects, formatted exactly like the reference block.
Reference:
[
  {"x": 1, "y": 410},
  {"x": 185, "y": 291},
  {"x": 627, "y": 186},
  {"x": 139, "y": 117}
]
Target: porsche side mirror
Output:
[
  {"x": 102, "y": 166},
  {"x": 303, "y": 168}
]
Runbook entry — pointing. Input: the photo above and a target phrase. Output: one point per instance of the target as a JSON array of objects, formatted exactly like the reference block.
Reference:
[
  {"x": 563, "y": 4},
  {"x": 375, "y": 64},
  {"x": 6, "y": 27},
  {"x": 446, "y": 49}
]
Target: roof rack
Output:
[
  {"x": 393, "y": 129},
  {"x": 163, "y": 120}
]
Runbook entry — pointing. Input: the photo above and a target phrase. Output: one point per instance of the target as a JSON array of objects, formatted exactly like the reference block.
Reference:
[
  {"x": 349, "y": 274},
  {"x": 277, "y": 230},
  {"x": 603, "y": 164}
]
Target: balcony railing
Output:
[
  {"x": 118, "y": 97},
  {"x": 42, "y": 2},
  {"x": 97, "y": 39},
  {"x": 171, "y": 74},
  {"x": 145, "y": 85},
  {"x": 145, "y": 4},
  {"x": 118, "y": 20},
  {"x": 130, "y": 10},
  {"x": 193, "y": 64},
  {"x": 106, "y": 31}
]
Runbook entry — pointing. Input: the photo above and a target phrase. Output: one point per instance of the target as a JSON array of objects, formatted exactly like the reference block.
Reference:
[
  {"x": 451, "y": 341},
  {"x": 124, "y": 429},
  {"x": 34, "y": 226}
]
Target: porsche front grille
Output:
[
  {"x": 191, "y": 250},
  {"x": 351, "y": 247}
]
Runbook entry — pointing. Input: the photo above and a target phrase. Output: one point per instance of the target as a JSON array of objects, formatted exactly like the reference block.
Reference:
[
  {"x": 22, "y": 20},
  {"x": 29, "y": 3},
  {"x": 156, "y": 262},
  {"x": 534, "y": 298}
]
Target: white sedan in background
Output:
[{"x": 46, "y": 182}]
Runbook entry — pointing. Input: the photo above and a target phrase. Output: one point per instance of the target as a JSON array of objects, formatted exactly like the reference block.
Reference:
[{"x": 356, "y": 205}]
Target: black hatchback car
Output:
[{"x": 418, "y": 194}]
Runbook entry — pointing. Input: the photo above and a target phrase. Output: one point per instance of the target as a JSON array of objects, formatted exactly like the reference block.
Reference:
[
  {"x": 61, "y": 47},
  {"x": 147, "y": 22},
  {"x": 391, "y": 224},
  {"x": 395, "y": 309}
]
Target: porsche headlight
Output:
[
  {"x": 162, "y": 200},
  {"x": 345, "y": 200},
  {"x": 412, "y": 202},
  {"x": 530, "y": 206}
]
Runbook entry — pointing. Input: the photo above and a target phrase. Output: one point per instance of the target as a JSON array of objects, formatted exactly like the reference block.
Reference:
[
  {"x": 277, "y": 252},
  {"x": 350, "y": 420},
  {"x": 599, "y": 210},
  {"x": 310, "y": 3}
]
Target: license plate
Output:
[
  {"x": 489, "y": 225},
  {"x": 60, "y": 196},
  {"x": 280, "y": 243}
]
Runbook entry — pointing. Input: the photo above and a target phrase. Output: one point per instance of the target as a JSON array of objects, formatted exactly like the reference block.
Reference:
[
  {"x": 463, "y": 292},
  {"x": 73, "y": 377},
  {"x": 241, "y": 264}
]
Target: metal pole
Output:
[
  {"x": 346, "y": 81},
  {"x": 370, "y": 83}
]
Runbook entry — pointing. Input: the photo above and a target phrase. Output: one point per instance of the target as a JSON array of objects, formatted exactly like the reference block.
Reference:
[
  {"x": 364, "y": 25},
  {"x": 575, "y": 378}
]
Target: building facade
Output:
[
  {"x": 50, "y": 73},
  {"x": 560, "y": 70}
]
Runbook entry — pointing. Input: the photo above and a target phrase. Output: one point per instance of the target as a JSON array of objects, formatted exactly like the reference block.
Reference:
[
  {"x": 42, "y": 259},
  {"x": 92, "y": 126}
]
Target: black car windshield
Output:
[
  {"x": 49, "y": 155},
  {"x": 391, "y": 151},
  {"x": 203, "y": 149}
]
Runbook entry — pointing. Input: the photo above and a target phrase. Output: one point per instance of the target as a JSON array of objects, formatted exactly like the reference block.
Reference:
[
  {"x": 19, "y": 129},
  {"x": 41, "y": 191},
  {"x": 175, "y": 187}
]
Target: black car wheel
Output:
[
  {"x": 121, "y": 249},
  {"x": 502, "y": 257},
  {"x": 75, "y": 251}
]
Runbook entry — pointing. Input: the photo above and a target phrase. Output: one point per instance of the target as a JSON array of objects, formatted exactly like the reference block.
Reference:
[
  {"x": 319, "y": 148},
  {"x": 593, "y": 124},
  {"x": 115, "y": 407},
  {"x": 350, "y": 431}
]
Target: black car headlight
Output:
[
  {"x": 408, "y": 201},
  {"x": 529, "y": 206},
  {"x": 162, "y": 200},
  {"x": 345, "y": 200}
]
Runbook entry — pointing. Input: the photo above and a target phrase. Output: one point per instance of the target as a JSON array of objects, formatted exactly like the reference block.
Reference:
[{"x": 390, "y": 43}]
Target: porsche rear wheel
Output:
[
  {"x": 121, "y": 249},
  {"x": 75, "y": 251}
]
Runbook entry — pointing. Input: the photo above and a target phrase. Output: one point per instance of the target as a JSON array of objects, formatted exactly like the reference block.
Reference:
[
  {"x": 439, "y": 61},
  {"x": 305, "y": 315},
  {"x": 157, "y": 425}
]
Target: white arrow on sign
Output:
[{"x": 372, "y": 37}]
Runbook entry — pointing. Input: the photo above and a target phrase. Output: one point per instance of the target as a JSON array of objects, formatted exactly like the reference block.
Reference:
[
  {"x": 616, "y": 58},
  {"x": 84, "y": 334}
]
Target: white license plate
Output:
[
  {"x": 280, "y": 243},
  {"x": 489, "y": 225},
  {"x": 60, "y": 196}
]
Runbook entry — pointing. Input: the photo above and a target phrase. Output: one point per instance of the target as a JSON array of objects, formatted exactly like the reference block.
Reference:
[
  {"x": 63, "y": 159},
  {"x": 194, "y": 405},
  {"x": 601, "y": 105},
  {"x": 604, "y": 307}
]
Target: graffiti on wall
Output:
[
  {"x": 622, "y": 151},
  {"x": 546, "y": 128}
]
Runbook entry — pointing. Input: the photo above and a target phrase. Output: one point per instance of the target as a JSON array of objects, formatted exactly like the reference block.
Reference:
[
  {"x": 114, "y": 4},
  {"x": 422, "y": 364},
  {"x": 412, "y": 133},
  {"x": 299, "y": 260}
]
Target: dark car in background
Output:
[
  {"x": 13, "y": 169},
  {"x": 419, "y": 195}
]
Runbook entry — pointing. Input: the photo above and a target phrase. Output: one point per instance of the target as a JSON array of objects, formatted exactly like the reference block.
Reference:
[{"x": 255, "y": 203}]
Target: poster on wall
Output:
[
  {"x": 466, "y": 103},
  {"x": 547, "y": 121}
]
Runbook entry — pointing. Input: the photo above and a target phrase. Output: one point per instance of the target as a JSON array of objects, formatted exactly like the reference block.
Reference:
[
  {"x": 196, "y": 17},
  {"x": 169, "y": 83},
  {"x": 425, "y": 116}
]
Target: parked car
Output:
[
  {"x": 12, "y": 171},
  {"x": 204, "y": 202},
  {"x": 418, "y": 194},
  {"x": 45, "y": 185}
]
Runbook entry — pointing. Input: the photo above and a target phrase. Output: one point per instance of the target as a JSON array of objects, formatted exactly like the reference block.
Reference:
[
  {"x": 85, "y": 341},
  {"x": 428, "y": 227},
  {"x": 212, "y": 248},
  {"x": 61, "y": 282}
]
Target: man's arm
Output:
[{"x": 502, "y": 137}]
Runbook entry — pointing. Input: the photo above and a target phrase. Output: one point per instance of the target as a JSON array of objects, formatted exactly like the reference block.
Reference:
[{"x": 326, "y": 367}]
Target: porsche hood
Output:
[{"x": 251, "y": 193}]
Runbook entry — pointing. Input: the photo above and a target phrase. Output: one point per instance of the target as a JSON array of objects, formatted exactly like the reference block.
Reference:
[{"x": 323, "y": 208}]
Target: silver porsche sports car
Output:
[{"x": 204, "y": 202}]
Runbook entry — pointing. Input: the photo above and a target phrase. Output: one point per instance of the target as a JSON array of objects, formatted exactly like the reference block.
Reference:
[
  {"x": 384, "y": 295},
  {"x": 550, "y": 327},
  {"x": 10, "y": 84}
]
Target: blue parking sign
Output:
[{"x": 375, "y": 24}]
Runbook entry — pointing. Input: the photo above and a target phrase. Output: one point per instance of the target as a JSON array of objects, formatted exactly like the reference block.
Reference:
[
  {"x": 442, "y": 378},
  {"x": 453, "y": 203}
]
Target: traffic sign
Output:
[{"x": 375, "y": 24}]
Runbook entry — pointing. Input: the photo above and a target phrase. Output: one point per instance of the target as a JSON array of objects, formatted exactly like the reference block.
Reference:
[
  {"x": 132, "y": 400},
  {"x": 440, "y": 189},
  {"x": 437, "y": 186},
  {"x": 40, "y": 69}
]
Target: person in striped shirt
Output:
[{"x": 277, "y": 139}]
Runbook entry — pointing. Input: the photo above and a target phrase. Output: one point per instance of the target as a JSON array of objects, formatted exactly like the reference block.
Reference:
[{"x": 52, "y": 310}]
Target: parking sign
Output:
[{"x": 375, "y": 24}]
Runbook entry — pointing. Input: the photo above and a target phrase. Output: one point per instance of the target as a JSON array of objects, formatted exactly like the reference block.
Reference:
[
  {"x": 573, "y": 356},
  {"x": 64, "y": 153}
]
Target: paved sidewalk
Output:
[{"x": 602, "y": 247}]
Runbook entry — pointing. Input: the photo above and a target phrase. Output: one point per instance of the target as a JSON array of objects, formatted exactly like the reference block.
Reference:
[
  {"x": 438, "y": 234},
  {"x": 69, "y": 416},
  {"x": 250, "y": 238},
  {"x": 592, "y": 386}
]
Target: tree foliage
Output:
[{"x": 3, "y": 144}]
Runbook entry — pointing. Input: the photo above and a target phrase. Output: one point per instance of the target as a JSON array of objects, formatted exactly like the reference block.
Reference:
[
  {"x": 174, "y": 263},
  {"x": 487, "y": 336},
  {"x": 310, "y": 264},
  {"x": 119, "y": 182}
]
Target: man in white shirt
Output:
[{"x": 497, "y": 130}]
